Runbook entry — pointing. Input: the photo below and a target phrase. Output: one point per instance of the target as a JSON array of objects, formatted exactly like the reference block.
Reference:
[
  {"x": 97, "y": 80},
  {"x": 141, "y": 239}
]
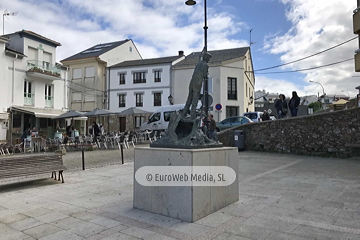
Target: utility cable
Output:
[
  {"x": 307, "y": 56},
  {"x": 306, "y": 69}
]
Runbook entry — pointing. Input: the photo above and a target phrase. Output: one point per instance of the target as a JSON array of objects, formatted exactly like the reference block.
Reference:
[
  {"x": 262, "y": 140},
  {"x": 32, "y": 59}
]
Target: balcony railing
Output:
[
  {"x": 29, "y": 99},
  {"x": 49, "y": 101},
  {"x": 45, "y": 68}
]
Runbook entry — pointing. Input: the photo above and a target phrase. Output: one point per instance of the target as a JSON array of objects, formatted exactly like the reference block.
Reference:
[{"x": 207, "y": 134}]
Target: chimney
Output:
[{"x": 181, "y": 53}]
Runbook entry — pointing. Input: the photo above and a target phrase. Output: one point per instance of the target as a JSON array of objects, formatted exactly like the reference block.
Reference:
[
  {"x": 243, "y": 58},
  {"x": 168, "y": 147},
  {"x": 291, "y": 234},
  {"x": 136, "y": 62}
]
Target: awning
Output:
[
  {"x": 40, "y": 113},
  {"x": 4, "y": 116}
]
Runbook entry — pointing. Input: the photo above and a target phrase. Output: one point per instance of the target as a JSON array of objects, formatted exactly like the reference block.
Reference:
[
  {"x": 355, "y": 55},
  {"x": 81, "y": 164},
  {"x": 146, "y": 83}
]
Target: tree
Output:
[{"x": 317, "y": 106}]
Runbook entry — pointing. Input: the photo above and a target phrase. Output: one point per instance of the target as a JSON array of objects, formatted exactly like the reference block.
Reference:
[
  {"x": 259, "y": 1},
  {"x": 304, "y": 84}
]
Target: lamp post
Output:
[
  {"x": 347, "y": 93},
  {"x": 206, "y": 83},
  {"x": 324, "y": 94}
]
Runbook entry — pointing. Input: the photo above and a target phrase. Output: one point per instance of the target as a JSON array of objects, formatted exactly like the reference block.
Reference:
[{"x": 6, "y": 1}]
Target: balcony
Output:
[
  {"x": 357, "y": 62},
  {"x": 29, "y": 99},
  {"x": 43, "y": 70},
  {"x": 49, "y": 101},
  {"x": 356, "y": 21}
]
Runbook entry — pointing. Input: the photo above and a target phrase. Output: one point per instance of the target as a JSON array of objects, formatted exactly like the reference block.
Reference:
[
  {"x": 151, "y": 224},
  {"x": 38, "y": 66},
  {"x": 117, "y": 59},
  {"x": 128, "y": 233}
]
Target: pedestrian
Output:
[
  {"x": 34, "y": 132},
  {"x": 69, "y": 129},
  {"x": 212, "y": 128},
  {"x": 294, "y": 104},
  {"x": 281, "y": 106},
  {"x": 24, "y": 136},
  {"x": 95, "y": 130},
  {"x": 265, "y": 116}
]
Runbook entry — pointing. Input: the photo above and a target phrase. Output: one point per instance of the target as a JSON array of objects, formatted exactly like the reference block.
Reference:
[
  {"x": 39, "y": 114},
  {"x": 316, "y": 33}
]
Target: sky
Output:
[{"x": 283, "y": 31}]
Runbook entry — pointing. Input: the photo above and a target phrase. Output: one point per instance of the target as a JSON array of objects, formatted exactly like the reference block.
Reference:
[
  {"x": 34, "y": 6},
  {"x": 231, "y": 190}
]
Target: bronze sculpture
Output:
[{"x": 183, "y": 130}]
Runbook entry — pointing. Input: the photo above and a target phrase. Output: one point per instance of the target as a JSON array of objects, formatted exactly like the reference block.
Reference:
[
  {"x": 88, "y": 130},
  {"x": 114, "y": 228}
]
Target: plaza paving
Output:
[{"x": 281, "y": 197}]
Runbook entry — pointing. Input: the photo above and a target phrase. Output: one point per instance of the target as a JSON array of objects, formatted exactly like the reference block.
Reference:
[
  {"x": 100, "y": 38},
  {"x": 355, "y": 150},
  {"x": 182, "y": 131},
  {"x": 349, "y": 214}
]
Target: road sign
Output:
[
  {"x": 269, "y": 111},
  {"x": 218, "y": 106},
  {"x": 210, "y": 100}
]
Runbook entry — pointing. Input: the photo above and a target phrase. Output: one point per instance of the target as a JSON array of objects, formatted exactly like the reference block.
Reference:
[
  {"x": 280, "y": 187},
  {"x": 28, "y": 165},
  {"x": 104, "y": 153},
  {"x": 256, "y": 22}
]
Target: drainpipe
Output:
[
  {"x": 108, "y": 98},
  {"x": 13, "y": 80},
  {"x": 65, "y": 90}
]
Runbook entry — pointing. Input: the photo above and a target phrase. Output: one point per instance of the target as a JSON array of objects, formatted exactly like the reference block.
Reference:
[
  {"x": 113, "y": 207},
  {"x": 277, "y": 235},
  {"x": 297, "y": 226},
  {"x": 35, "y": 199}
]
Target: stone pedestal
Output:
[{"x": 188, "y": 203}]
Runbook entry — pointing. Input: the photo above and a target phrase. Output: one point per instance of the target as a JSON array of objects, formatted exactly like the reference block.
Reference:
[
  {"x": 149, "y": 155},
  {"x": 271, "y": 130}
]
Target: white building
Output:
[
  {"x": 231, "y": 81},
  {"x": 34, "y": 87},
  {"x": 87, "y": 73},
  {"x": 144, "y": 84}
]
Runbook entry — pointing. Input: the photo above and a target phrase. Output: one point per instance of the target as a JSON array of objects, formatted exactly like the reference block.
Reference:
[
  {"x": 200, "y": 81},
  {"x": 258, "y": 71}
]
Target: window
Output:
[
  {"x": 157, "y": 99},
  {"x": 167, "y": 116},
  {"x": 77, "y": 73},
  {"x": 48, "y": 96},
  {"x": 232, "y": 111},
  {"x": 139, "y": 99},
  {"x": 155, "y": 117},
  {"x": 157, "y": 76},
  {"x": 122, "y": 98},
  {"x": 27, "y": 89},
  {"x": 90, "y": 72},
  {"x": 139, "y": 120},
  {"x": 76, "y": 97},
  {"x": 46, "y": 65},
  {"x": 130, "y": 49},
  {"x": 139, "y": 77},
  {"x": 232, "y": 89},
  {"x": 121, "y": 78}
]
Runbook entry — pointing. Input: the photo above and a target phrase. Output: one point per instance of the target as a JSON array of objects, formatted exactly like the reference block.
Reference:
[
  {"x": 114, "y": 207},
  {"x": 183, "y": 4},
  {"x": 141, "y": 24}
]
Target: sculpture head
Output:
[{"x": 206, "y": 56}]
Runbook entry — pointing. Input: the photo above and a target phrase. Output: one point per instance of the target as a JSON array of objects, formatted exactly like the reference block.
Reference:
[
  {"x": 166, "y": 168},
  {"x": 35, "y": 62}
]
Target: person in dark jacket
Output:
[
  {"x": 96, "y": 131},
  {"x": 281, "y": 106},
  {"x": 212, "y": 128},
  {"x": 25, "y": 134},
  {"x": 294, "y": 104},
  {"x": 265, "y": 116}
]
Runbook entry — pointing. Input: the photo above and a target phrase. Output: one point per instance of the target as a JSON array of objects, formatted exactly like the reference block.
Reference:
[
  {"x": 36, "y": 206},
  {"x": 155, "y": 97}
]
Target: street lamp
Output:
[
  {"x": 346, "y": 92},
  {"x": 206, "y": 83},
  {"x": 322, "y": 89}
]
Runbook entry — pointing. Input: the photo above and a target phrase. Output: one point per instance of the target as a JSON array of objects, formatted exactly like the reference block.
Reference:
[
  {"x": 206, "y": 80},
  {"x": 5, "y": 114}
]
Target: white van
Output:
[{"x": 159, "y": 120}]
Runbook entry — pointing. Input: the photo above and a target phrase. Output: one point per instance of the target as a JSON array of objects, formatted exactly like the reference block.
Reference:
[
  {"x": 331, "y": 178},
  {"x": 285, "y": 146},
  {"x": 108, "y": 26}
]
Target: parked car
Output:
[
  {"x": 254, "y": 116},
  {"x": 272, "y": 117},
  {"x": 159, "y": 120},
  {"x": 232, "y": 122}
]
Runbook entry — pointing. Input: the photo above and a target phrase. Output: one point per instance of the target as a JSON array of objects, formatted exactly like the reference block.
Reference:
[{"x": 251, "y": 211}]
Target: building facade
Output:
[
  {"x": 35, "y": 88},
  {"x": 145, "y": 84},
  {"x": 231, "y": 81},
  {"x": 356, "y": 24},
  {"x": 87, "y": 73}
]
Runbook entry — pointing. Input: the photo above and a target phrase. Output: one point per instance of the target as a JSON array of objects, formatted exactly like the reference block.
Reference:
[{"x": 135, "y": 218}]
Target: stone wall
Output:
[{"x": 319, "y": 135}]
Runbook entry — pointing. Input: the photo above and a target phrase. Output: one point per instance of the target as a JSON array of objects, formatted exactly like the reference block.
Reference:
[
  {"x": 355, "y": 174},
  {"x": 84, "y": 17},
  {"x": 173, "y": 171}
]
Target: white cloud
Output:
[
  {"x": 318, "y": 25},
  {"x": 279, "y": 86},
  {"x": 158, "y": 27}
]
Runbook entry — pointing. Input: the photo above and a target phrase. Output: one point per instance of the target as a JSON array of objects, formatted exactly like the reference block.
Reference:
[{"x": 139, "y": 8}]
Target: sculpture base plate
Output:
[{"x": 169, "y": 145}]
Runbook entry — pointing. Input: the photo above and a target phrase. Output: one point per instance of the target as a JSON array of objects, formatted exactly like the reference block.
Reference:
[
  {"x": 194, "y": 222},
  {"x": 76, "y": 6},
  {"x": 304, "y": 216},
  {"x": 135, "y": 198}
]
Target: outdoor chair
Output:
[
  {"x": 158, "y": 135},
  {"x": 152, "y": 136},
  {"x": 121, "y": 141},
  {"x": 130, "y": 139}
]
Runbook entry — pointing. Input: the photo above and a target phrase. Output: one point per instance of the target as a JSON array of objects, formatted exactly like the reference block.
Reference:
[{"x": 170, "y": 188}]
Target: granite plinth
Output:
[{"x": 188, "y": 203}]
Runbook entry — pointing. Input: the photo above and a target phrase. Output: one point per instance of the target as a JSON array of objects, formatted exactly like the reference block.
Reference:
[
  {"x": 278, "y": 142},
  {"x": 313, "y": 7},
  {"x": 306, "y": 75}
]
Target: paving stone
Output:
[
  {"x": 87, "y": 229},
  {"x": 138, "y": 232},
  {"x": 250, "y": 232},
  {"x": 114, "y": 230},
  {"x": 51, "y": 217},
  {"x": 67, "y": 223},
  {"x": 62, "y": 235},
  {"x": 318, "y": 233},
  {"x": 42, "y": 230},
  {"x": 13, "y": 218},
  {"x": 215, "y": 219},
  {"x": 26, "y": 224},
  {"x": 84, "y": 215},
  {"x": 106, "y": 222},
  {"x": 228, "y": 236},
  {"x": 37, "y": 212},
  {"x": 285, "y": 236},
  {"x": 115, "y": 236}
]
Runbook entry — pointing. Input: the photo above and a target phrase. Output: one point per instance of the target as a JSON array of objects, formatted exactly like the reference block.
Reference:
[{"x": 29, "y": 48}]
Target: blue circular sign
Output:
[{"x": 218, "y": 106}]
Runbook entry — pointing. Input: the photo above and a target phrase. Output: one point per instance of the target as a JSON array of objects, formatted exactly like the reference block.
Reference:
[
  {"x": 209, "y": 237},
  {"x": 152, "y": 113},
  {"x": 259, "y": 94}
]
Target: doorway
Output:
[{"x": 122, "y": 121}]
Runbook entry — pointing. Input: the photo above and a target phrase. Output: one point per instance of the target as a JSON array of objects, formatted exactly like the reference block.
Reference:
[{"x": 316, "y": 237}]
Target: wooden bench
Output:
[{"x": 34, "y": 164}]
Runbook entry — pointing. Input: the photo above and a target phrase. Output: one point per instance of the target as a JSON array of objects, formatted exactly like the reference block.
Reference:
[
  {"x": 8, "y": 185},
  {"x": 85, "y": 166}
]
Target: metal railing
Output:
[
  {"x": 43, "y": 67},
  {"x": 28, "y": 99}
]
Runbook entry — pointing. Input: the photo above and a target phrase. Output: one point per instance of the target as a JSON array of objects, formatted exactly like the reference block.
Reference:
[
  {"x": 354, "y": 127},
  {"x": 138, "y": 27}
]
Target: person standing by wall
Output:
[
  {"x": 212, "y": 128},
  {"x": 294, "y": 104},
  {"x": 265, "y": 116},
  {"x": 281, "y": 106}
]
